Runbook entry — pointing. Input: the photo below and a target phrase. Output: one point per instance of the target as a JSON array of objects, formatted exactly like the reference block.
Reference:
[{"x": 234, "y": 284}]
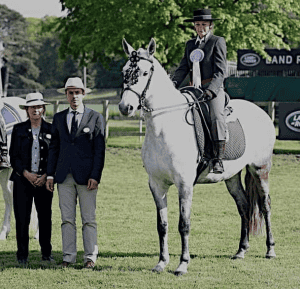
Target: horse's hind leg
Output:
[
  {"x": 159, "y": 194},
  {"x": 260, "y": 175},
  {"x": 235, "y": 188},
  {"x": 8, "y": 200}
]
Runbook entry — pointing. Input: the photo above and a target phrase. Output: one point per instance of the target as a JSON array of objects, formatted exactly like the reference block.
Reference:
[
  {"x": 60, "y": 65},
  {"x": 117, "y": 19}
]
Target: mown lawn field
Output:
[{"x": 128, "y": 241}]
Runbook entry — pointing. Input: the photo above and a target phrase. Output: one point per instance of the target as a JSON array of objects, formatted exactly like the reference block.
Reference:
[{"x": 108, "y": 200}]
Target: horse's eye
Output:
[{"x": 145, "y": 73}]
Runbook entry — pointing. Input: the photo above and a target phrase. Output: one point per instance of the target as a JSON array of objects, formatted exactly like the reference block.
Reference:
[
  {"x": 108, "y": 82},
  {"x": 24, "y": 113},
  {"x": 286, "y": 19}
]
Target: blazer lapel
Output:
[{"x": 84, "y": 120}]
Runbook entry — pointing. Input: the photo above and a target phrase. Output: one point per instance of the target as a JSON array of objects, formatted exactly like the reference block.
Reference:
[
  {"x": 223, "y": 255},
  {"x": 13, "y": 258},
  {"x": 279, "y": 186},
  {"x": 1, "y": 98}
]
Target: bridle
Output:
[{"x": 132, "y": 78}]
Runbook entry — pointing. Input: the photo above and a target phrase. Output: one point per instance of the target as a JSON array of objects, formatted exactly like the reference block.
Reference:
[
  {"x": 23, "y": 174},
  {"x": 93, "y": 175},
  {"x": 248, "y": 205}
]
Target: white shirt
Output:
[
  {"x": 79, "y": 116},
  {"x": 200, "y": 40}
]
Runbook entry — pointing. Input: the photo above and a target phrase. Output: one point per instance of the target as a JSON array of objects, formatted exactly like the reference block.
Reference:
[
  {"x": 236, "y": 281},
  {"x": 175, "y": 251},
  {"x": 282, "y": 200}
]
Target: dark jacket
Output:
[
  {"x": 84, "y": 155},
  {"x": 21, "y": 146},
  {"x": 212, "y": 66}
]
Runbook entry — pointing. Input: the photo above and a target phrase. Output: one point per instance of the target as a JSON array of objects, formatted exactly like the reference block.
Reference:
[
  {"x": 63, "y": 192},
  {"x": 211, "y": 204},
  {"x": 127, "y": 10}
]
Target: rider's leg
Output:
[{"x": 218, "y": 130}]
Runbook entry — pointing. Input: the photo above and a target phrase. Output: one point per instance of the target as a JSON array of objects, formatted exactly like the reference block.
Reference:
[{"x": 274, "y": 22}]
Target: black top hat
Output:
[{"x": 201, "y": 15}]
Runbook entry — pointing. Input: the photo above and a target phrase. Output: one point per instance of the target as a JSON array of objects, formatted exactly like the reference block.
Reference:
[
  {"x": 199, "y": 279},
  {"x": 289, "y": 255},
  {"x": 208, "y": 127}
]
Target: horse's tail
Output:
[{"x": 256, "y": 220}]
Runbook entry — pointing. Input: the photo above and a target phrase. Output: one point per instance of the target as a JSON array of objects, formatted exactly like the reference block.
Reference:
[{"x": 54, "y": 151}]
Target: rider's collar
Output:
[{"x": 198, "y": 39}]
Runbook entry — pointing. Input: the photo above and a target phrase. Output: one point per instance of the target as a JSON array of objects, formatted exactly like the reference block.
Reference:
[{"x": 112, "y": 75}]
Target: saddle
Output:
[{"x": 235, "y": 142}]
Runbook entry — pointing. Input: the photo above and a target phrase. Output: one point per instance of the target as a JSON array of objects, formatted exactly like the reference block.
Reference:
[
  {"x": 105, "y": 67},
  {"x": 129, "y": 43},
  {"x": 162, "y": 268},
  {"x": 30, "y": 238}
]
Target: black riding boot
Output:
[
  {"x": 219, "y": 152},
  {"x": 4, "y": 163}
]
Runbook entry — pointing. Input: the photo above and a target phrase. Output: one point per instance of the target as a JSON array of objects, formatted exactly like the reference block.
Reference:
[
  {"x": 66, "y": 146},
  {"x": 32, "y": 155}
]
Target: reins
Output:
[{"x": 132, "y": 79}]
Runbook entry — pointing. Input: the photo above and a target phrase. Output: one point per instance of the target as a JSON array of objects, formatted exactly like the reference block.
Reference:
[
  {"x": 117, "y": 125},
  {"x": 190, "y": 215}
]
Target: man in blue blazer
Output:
[{"x": 75, "y": 163}]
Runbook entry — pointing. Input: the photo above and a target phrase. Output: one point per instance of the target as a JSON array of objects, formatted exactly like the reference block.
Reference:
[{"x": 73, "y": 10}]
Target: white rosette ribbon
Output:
[{"x": 196, "y": 57}]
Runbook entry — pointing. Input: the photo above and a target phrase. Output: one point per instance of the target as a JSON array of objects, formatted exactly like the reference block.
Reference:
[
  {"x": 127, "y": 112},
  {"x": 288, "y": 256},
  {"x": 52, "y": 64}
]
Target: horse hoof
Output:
[
  {"x": 182, "y": 269},
  {"x": 270, "y": 254},
  {"x": 160, "y": 267},
  {"x": 157, "y": 269},
  {"x": 4, "y": 233},
  {"x": 239, "y": 255}
]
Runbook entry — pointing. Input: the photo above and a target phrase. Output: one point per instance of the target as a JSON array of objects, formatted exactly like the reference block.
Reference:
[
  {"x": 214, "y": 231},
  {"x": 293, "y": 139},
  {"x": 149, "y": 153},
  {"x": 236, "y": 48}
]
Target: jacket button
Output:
[{"x": 42, "y": 148}]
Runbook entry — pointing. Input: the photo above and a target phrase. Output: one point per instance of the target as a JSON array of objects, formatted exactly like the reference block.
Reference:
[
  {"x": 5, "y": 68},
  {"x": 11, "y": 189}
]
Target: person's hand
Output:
[
  {"x": 208, "y": 95},
  {"x": 41, "y": 180},
  {"x": 31, "y": 177},
  {"x": 50, "y": 185},
  {"x": 92, "y": 184}
]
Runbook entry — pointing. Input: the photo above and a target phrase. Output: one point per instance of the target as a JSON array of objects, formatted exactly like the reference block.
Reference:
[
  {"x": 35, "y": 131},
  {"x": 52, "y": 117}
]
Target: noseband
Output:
[{"x": 131, "y": 78}]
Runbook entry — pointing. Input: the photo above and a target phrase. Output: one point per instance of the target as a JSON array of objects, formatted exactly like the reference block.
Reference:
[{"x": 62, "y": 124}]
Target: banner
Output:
[
  {"x": 289, "y": 121},
  {"x": 280, "y": 59}
]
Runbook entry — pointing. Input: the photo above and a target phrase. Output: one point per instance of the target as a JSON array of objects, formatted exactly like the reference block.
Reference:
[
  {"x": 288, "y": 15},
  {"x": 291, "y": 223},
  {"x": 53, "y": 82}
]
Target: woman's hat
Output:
[
  {"x": 201, "y": 15},
  {"x": 74, "y": 82},
  {"x": 32, "y": 99}
]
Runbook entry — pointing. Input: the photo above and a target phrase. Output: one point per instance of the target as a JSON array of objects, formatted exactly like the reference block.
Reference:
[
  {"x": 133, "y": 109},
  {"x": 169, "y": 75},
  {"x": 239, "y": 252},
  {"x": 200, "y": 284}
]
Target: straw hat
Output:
[
  {"x": 74, "y": 82},
  {"x": 32, "y": 99}
]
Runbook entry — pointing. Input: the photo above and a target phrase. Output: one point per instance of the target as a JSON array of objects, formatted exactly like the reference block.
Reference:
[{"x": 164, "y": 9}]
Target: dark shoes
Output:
[
  {"x": 89, "y": 264},
  {"x": 23, "y": 262},
  {"x": 65, "y": 264},
  {"x": 49, "y": 259}
]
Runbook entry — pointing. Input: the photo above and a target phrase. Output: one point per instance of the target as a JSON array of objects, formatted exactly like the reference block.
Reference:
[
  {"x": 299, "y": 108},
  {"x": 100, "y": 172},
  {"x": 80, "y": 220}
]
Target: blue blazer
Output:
[{"x": 84, "y": 155}]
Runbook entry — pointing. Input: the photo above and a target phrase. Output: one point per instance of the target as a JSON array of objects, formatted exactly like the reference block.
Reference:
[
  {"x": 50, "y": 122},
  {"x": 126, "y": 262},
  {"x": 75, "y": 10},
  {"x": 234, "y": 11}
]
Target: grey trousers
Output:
[
  {"x": 68, "y": 193},
  {"x": 218, "y": 124}
]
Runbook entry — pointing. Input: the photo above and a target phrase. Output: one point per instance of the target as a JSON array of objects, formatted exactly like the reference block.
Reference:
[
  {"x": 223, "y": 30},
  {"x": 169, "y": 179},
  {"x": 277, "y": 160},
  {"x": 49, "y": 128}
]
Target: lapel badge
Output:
[{"x": 86, "y": 130}]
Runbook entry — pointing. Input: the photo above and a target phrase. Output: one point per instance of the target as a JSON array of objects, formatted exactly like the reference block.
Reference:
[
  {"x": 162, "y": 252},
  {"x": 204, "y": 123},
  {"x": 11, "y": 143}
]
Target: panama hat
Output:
[
  {"x": 74, "y": 82},
  {"x": 32, "y": 99},
  {"x": 201, "y": 15}
]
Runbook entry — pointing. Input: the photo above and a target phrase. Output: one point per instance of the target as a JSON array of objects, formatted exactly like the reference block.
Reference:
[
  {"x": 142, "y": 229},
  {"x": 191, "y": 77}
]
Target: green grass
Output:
[{"x": 128, "y": 241}]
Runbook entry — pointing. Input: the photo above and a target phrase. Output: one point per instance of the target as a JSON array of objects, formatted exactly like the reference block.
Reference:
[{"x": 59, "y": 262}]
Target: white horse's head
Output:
[{"x": 137, "y": 74}]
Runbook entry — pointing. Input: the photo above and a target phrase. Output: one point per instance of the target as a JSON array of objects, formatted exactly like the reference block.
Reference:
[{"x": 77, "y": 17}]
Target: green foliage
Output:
[
  {"x": 20, "y": 50},
  {"x": 94, "y": 29}
]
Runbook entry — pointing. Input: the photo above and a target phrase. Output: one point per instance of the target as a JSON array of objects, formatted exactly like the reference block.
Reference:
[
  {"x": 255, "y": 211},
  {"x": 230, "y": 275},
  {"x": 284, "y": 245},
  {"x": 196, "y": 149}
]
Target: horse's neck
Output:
[{"x": 166, "y": 101}]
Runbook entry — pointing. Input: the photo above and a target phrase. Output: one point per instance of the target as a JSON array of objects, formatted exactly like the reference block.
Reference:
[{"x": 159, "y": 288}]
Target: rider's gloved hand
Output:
[{"x": 208, "y": 95}]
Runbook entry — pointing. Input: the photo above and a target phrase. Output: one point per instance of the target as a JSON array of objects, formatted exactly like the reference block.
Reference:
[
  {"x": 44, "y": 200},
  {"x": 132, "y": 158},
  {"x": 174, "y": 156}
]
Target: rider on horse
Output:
[{"x": 205, "y": 60}]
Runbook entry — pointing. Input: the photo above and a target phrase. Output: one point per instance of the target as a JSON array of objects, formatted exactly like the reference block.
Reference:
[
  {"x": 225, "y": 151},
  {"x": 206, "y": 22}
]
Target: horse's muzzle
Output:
[{"x": 125, "y": 109}]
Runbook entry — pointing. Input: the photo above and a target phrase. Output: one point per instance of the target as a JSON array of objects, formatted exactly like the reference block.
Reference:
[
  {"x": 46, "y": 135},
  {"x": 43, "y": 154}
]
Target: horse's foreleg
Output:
[
  {"x": 235, "y": 188},
  {"x": 185, "y": 204},
  {"x": 160, "y": 198}
]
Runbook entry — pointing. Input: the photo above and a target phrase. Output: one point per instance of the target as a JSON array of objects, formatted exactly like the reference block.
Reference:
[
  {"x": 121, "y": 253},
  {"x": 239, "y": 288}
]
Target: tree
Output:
[
  {"x": 93, "y": 29},
  {"x": 19, "y": 51}
]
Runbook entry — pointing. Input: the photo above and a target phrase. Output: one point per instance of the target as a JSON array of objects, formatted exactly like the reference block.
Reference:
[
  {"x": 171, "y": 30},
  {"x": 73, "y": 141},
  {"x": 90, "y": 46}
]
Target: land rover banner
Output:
[
  {"x": 289, "y": 121},
  {"x": 280, "y": 59}
]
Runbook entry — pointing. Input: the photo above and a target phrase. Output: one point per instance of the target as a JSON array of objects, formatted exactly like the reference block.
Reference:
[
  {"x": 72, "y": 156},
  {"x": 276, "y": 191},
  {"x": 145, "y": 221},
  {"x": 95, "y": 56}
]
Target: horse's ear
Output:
[
  {"x": 127, "y": 48},
  {"x": 151, "y": 47}
]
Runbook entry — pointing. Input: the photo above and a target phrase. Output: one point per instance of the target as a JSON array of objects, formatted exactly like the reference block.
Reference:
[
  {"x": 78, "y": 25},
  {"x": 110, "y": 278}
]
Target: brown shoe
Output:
[
  {"x": 89, "y": 264},
  {"x": 65, "y": 264}
]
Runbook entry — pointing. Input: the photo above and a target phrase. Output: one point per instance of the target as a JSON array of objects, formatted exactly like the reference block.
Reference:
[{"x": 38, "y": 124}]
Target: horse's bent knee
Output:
[{"x": 184, "y": 226}]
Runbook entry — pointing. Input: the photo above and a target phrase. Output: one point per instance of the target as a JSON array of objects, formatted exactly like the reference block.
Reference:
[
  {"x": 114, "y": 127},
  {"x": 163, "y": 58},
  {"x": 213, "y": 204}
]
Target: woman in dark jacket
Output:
[
  {"x": 28, "y": 156},
  {"x": 205, "y": 60}
]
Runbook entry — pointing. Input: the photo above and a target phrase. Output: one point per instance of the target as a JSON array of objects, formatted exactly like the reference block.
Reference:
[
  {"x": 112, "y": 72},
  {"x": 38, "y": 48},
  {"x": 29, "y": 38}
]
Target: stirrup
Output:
[{"x": 218, "y": 166}]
